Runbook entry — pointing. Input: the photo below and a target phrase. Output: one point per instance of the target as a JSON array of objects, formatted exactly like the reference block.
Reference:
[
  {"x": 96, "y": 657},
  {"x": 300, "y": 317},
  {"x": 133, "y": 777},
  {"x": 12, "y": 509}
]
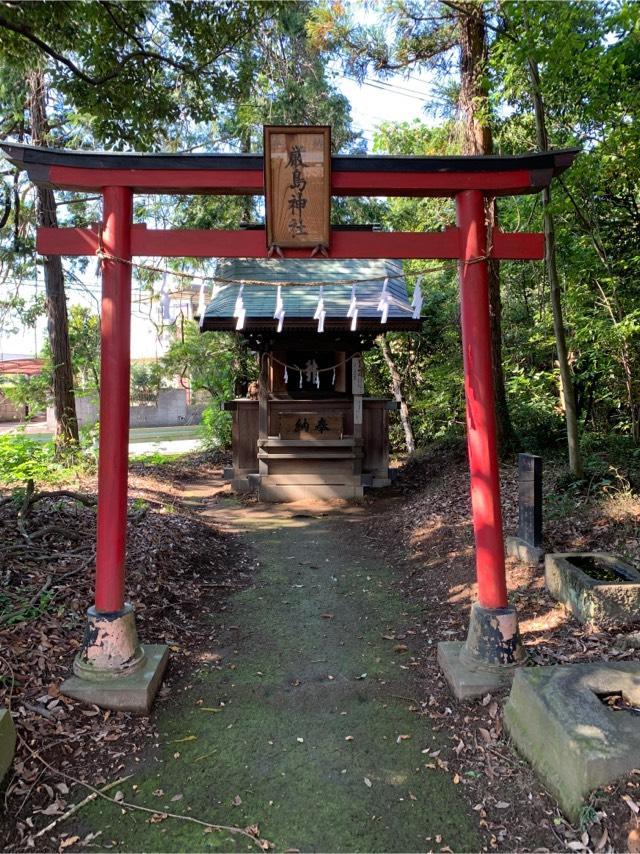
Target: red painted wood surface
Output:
[
  {"x": 114, "y": 402},
  {"x": 251, "y": 244},
  {"x": 478, "y": 383},
  {"x": 343, "y": 183}
]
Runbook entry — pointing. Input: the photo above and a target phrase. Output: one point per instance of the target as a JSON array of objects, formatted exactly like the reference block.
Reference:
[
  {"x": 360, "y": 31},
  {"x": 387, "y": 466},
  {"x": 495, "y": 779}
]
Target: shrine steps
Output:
[{"x": 297, "y": 487}]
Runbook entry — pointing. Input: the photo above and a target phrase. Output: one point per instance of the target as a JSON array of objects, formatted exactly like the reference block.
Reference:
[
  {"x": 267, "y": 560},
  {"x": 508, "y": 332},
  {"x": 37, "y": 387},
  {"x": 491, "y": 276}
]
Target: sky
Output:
[{"x": 396, "y": 99}]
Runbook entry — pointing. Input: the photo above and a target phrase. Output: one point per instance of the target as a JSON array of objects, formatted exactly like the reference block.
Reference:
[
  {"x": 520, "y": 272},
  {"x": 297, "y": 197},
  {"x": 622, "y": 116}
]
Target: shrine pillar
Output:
[
  {"x": 493, "y": 642},
  {"x": 112, "y": 669}
]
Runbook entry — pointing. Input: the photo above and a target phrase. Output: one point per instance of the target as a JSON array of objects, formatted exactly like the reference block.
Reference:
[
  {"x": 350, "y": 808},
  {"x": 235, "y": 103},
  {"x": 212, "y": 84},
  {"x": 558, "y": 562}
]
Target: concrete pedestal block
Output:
[
  {"x": 574, "y": 741},
  {"x": 7, "y": 741},
  {"x": 465, "y": 680},
  {"x": 523, "y": 551},
  {"x": 110, "y": 646},
  {"x": 132, "y": 692},
  {"x": 486, "y": 661}
]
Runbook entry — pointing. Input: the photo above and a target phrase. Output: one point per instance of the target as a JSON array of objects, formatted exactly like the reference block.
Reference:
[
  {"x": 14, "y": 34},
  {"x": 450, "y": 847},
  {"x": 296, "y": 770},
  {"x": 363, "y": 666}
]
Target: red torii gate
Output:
[{"x": 112, "y": 669}]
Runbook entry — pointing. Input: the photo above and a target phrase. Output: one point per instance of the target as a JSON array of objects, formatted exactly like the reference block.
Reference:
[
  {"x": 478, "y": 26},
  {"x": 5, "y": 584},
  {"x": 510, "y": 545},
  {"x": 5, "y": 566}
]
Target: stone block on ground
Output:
[
  {"x": 523, "y": 551},
  {"x": 572, "y": 739},
  {"x": 7, "y": 741},
  {"x": 134, "y": 692},
  {"x": 465, "y": 681},
  {"x": 606, "y": 603}
]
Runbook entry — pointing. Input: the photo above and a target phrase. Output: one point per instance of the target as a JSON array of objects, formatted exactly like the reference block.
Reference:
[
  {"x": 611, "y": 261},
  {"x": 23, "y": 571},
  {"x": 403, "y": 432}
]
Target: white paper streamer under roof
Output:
[
  {"x": 383, "y": 305},
  {"x": 320, "y": 313},
  {"x": 353, "y": 309},
  {"x": 239, "y": 311},
  {"x": 416, "y": 304},
  {"x": 279, "y": 313}
]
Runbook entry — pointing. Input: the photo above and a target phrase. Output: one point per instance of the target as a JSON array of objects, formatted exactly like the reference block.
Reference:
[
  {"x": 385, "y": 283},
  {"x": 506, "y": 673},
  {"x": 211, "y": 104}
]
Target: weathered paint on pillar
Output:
[
  {"x": 114, "y": 400},
  {"x": 478, "y": 383}
]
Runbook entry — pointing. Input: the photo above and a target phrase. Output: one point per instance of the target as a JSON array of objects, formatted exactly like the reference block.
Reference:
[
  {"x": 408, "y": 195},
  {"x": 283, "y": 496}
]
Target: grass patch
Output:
[{"x": 155, "y": 458}]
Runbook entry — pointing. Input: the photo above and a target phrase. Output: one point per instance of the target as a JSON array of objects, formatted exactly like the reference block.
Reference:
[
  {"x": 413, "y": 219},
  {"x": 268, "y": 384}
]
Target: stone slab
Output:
[
  {"x": 7, "y": 741},
  {"x": 605, "y": 604},
  {"x": 132, "y": 693},
  {"x": 573, "y": 741},
  {"x": 523, "y": 551},
  {"x": 464, "y": 681}
]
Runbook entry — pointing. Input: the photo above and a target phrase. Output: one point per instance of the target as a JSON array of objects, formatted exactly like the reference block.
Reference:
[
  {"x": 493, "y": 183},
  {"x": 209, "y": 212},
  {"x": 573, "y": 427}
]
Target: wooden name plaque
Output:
[
  {"x": 312, "y": 426},
  {"x": 297, "y": 177}
]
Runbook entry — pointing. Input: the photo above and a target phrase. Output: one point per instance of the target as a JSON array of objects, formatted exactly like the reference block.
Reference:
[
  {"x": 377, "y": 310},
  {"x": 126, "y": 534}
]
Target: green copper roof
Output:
[{"x": 301, "y": 299}]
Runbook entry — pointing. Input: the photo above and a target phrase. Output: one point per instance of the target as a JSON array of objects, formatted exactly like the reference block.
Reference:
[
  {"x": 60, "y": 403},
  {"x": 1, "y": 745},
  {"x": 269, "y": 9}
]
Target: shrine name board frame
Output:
[{"x": 297, "y": 181}]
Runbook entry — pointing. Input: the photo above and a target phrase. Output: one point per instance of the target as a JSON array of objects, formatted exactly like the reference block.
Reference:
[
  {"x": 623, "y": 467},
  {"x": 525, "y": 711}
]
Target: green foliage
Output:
[
  {"x": 146, "y": 379},
  {"x": 13, "y": 612},
  {"x": 215, "y": 427},
  {"x": 31, "y": 392},
  {"x": 23, "y": 459}
]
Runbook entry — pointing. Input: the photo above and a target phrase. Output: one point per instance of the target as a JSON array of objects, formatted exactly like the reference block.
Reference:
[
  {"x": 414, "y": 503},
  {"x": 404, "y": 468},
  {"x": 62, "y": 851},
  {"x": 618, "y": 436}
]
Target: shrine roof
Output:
[
  {"x": 259, "y": 279},
  {"x": 243, "y": 173}
]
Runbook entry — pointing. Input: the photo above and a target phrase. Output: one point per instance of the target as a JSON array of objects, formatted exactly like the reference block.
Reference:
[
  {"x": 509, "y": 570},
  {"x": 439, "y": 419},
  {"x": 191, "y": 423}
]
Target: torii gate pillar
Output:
[
  {"x": 493, "y": 646},
  {"x": 112, "y": 670}
]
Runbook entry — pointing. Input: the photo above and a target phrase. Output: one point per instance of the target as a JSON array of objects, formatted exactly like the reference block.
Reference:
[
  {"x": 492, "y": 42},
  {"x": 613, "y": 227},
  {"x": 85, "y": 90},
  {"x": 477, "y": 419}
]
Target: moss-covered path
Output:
[{"x": 306, "y": 731}]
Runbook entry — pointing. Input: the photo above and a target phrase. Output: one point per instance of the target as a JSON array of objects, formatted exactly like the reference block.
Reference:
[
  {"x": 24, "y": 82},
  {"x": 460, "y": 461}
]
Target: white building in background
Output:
[{"x": 155, "y": 320}]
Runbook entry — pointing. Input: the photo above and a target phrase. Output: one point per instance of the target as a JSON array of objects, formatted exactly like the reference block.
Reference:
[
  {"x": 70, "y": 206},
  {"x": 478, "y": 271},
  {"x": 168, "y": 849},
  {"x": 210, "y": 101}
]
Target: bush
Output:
[
  {"x": 215, "y": 427},
  {"x": 23, "y": 459}
]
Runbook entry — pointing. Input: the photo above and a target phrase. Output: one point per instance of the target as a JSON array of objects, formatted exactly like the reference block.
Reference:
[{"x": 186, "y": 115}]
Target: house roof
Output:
[
  {"x": 301, "y": 282},
  {"x": 27, "y": 365}
]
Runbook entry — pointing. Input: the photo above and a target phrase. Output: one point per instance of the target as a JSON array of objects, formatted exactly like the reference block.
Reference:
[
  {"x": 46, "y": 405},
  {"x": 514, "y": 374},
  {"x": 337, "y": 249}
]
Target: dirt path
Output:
[{"x": 307, "y": 729}]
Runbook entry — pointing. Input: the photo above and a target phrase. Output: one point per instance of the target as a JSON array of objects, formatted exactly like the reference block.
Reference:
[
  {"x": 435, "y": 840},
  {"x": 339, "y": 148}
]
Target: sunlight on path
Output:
[{"x": 306, "y": 730}]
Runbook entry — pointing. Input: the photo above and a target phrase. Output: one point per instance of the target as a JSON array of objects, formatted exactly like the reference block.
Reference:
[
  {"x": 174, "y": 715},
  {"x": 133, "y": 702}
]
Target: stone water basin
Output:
[{"x": 597, "y": 588}]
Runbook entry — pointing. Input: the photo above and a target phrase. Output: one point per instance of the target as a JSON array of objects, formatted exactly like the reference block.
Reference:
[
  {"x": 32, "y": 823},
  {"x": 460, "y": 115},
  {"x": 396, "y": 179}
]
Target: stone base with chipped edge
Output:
[
  {"x": 7, "y": 741},
  {"x": 524, "y": 551},
  {"x": 466, "y": 682},
  {"x": 134, "y": 692},
  {"x": 575, "y": 742}
]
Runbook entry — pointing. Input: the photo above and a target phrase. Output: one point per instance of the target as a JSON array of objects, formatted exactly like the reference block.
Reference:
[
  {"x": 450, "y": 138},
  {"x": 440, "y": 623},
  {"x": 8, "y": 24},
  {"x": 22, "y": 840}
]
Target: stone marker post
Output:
[{"x": 527, "y": 546}]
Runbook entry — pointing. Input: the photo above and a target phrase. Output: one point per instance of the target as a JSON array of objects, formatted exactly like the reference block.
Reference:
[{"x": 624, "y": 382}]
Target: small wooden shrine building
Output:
[{"x": 310, "y": 431}]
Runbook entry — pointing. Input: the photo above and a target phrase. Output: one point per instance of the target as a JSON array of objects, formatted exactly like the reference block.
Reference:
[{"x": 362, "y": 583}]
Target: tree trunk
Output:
[
  {"x": 64, "y": 404},
  {"x": 478, "y": 139},
  {"x": 550, "y": 256},
  {"x": 396, "y": 387}
]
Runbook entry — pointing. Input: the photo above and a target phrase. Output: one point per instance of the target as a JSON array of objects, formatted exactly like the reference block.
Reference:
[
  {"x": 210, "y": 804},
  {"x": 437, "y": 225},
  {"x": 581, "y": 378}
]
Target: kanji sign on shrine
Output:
[{"x": 297, "y": 169}]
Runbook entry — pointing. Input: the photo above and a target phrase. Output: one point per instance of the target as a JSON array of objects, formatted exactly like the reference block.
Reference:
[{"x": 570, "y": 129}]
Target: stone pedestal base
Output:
[
  {"x": 488, "y": 658},
  {"x": 7, "y": 741},
  {"x": 110, "y": 647},
  {"x": 133, "y": 691},
  {"x": 464, "y": 681},
  {"x": 524, "y": 551},
  {"x": 574, "y": 741}
]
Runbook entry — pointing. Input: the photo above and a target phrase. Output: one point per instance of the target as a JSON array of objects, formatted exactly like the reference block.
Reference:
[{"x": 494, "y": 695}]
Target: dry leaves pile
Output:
[
  {"x": 426, "y": 516},
  {"x": 177, "y": 566}
]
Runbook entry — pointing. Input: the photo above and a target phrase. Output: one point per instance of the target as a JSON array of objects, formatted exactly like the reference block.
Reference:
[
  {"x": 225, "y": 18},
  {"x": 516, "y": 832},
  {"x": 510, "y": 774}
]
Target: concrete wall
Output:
[
  {"x": 170, "y": 410},
  {"x": 9, "y": 411}
]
